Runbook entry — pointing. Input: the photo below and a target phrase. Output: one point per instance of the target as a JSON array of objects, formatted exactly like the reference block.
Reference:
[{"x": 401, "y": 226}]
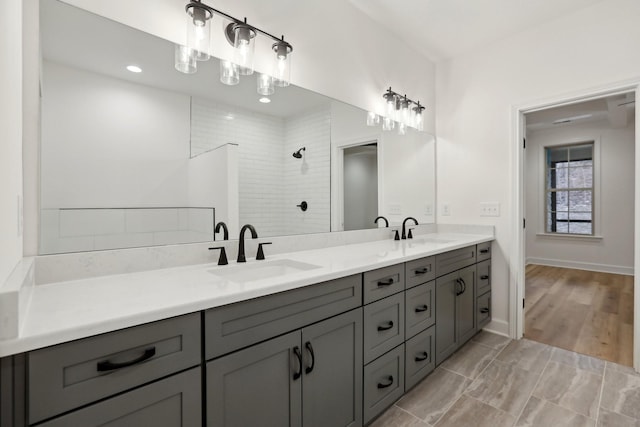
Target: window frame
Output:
[{"x": 595, "y": 201}]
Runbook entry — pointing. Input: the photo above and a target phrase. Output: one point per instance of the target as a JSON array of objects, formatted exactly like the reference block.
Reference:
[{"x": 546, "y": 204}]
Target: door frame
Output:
[
  {"x": 337, "y": 175},
  {"x": 517, "y": 260}
]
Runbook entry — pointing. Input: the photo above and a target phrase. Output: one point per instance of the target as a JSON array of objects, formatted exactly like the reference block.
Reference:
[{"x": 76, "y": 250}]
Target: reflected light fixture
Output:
[
  {"x": 241, "y": 36},
  {"x": 265, "y": 100},
  {"x": 372, "y": 119},
  {"x": 134, "y": 68},
  {"x": 399, "y": 108},
  {"x": 265, "y": 84}
]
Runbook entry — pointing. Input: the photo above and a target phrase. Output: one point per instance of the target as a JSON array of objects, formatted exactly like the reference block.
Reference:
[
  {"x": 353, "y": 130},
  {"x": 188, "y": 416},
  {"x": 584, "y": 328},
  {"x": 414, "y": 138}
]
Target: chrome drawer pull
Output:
[{"x": 109, "y": 366}]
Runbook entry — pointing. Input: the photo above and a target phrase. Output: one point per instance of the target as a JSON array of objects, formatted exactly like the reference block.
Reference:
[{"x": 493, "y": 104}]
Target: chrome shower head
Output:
[{"x": 298, "y": 154}]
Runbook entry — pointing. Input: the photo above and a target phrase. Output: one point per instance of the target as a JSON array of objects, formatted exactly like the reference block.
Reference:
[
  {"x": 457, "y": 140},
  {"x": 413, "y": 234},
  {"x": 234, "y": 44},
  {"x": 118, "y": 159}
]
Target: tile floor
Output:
[{"x": 493, "y": 381}]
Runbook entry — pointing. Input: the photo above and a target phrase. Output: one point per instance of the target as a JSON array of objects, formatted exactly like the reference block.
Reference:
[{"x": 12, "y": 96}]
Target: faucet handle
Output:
[
  {"x": 223, "y": 255},
  {"x": 260, "y": 255},
  {"x": 410, "y": 235},
  {"x": 397, "y": 234}
]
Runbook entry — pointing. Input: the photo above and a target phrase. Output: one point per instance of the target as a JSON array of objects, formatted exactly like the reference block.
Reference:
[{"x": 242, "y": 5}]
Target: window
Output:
[{"x": 569, "y": 189}]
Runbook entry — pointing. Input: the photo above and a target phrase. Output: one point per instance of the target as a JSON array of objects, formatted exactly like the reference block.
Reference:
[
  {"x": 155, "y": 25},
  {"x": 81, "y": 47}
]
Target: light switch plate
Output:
[
  {"x": 428, "y": 210},
  {"x": 395, "y": 209},
  {"x": 490, "y": 209},
  {"x": 446, "y": 209}
]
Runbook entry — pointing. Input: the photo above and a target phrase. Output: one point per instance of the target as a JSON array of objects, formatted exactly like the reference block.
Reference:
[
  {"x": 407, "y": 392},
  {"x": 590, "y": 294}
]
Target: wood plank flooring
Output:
[{"x": 583, "y": 311}]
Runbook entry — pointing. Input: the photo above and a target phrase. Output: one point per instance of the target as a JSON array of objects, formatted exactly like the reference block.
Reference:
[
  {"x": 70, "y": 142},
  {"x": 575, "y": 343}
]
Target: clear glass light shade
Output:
[
  {"x": 265, "y": 84},
  {"x": 199, "y": 32},
  {"x": 412, "y": 118},
  {"x": 404, "y": 112},
  {"x": 390, "y": 106},
  {"x": 229, "y": 74},
  {"x": 419, "y": 120},
  {"x": 372, "y": 119},
  {"x": 282, "y": 65},
  {"x": 185, "y": 59},
  {"x": 388, "y": 124},
  {"x": 245, "y": 46},
  {"x": 402, "y": 129}
]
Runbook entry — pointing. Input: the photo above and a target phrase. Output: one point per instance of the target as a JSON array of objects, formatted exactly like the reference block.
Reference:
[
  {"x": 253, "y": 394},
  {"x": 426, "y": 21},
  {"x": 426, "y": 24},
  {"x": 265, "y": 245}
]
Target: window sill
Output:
[{"x": 569, "y": 236}]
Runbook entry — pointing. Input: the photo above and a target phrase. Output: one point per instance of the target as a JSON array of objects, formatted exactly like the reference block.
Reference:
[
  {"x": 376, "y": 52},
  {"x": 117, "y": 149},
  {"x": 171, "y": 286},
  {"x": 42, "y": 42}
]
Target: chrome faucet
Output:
[
  {"x": 404, "y": 233},
  {"x": 254, "y": 235},
  {"x": 222, "y": 225}
]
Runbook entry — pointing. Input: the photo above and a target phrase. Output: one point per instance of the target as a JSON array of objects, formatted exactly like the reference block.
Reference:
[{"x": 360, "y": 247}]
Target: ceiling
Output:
[
  {"x": 442, "y": 29},
  {"x": 80, "y": 39},
  {"x": 619, "y": 110}
]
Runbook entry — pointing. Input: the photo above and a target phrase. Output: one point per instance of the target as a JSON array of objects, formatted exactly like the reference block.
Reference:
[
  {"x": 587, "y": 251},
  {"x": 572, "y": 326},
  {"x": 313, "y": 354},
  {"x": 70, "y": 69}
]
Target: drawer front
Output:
[
  {"x": 419, "y": 357},
  {"x": 420, "y": 271},
  {"x": 171, "y": 402},
  {"x": 236, "y": 326},
  {"x": 383, "y": 282},
  {"x": 70, "y": 375},
  {"x": 484, "y": 251},
  {"x": 455, "y": 260},
  {"x": 419, "y": 313},
  {"x": 383, "y": 326},
  {"x": 383, "y": 382},
  {"x": 483, "y": 305},
  {"x": 483, "y": 283}
]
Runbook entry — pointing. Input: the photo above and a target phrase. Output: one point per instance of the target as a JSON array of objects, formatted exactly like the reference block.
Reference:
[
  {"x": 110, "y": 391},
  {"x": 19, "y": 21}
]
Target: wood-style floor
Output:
[{"x": 582, "y": 311}]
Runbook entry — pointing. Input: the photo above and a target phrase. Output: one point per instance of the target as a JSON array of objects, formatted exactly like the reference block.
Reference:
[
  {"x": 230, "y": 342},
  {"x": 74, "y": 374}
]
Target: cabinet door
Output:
[
  {"x": 257, "y": 385},
  {"x": 446, "y": 331},
  {"x": 332, "y": 389},
  {"x": 172, "y": 402},
  {"x": 466, "y": 311}
]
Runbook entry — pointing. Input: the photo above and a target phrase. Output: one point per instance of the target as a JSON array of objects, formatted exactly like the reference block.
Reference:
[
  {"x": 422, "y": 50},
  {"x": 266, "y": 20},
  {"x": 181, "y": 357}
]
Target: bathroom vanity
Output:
[{"x": 328, "y": 337}]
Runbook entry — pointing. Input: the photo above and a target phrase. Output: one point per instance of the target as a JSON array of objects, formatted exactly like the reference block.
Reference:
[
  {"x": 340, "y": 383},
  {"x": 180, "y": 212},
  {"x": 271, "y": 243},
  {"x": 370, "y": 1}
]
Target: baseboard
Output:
[
  {"x": 603, "y": 268},
  {"x": 498, "y": 327}
]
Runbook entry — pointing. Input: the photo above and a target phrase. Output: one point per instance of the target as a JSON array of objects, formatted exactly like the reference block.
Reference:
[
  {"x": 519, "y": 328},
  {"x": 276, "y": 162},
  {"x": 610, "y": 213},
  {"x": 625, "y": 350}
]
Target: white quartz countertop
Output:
[{"x": 65, "y": 311}]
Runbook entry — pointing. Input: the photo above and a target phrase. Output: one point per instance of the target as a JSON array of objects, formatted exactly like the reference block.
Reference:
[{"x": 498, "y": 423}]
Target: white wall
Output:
[
  {"x": 477, "y": 92},
  {"x": 615, "y": 195},
  {"x": 10, "y": 135},
  {"x": 338, "y": 51}
]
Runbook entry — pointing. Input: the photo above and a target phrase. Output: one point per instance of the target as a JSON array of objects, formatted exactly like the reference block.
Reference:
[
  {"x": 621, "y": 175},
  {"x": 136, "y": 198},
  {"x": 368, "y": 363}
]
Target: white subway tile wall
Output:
[{"x": 271, "y": 181}]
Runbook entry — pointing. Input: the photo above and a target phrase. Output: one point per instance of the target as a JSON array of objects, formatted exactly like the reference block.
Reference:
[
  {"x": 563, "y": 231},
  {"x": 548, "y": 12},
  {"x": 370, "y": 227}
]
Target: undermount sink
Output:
[{"x": 259, "y": 270}]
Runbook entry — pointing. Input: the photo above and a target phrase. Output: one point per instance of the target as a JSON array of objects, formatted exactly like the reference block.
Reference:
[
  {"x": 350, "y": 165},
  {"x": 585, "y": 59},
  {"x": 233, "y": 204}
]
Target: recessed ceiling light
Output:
[
  {"x": 265, "y": 100},
  {"x": 134, "y": 68},
  {"x": 229, "y": 117}
]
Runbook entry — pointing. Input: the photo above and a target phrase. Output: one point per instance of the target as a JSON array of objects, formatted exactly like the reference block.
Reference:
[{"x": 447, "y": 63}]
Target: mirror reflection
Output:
[{"x": 157, "y": 157}]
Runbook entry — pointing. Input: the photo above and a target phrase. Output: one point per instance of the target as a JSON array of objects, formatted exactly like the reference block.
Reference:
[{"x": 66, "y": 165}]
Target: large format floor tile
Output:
[
  {"x": 396, "y": 417},
  {"x": 541, "y": 413},
  {"x": 471, "y": 412},
  {"x": 470, "y": 360},
  {"x": 526, "y": 354},
  {"x": 621, "y": 393}
]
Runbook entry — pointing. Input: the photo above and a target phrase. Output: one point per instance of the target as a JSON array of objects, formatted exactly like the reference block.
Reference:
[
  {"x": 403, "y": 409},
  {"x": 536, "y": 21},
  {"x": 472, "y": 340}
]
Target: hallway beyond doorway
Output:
[{"x": 583, "y": 311}]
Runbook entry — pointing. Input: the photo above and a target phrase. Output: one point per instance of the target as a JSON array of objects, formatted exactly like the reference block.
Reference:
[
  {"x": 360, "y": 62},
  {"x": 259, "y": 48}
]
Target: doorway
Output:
[
  {"x": 360, "y": 186},
  {"x": 575, "y": 261}
]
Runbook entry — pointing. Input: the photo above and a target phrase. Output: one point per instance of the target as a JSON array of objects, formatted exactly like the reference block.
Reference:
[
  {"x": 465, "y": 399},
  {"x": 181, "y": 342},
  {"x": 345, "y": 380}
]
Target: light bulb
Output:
[
  {"x": 388, "y": 124},
  {"x": 372, "y": 119},
  {"x": 244, "y": 44}
]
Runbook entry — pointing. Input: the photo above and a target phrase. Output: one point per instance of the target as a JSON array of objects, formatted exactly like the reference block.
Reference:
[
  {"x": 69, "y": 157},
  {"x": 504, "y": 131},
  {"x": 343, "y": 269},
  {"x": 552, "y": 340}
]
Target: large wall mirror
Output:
[{"x": 158, "y": 157}]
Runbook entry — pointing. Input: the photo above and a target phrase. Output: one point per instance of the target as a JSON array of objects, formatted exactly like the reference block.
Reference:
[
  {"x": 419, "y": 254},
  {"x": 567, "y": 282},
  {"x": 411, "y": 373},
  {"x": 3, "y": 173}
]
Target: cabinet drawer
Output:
[
  {"x": 483, "y": 277},
  {"x": 420, "y": 271},
  {"x": 240, "y": 325},
  {"x": 171, "y": 402},
  {"x": 455, "y": 260},
  {"x": 419, "y": 358},
  {"x": 419, "y": 314},
  {"x": 483, "y": 305},
  {"x": 383, "y": 382},
  {"x": 70, "y": 375},
  {"x": 484, "y": 251},
  {"x": 383, "y": 282},
  {"x": 383, "y": 326}
]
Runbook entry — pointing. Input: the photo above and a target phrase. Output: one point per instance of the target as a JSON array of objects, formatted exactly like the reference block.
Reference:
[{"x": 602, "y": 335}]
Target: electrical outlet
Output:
[
  {"x": 446, "y": 209},
  {"x": 395, "y": 209},
  {"x": 490, "y": 209},
  {"x": 428, "y": 210}
]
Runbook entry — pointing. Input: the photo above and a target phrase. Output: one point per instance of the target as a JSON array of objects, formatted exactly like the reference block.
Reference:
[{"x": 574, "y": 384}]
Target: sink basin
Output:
[{"x": 262, "y": 270}]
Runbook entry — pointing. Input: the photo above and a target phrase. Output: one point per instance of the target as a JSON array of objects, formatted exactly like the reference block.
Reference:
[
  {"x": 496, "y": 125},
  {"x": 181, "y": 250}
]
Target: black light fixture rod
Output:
[
  {"x": 404, "y": 97},
  {"x": 198, "y": 3}
]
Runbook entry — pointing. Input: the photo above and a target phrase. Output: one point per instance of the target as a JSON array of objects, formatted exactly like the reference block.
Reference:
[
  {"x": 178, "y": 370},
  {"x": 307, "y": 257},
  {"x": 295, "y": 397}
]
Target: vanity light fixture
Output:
[
  {"x": 134, "y": 68},
  {"x": 241, "y": 36},
  {"x": 401, "y": 109}
]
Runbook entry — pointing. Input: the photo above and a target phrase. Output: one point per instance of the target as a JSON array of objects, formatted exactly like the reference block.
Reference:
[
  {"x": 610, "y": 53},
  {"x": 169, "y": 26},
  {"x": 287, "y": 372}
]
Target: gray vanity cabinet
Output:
[
  {"x": 455, "y": 311},
  {"x": 311, "y": 377},
  {"x": 172, "y": 402}
]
